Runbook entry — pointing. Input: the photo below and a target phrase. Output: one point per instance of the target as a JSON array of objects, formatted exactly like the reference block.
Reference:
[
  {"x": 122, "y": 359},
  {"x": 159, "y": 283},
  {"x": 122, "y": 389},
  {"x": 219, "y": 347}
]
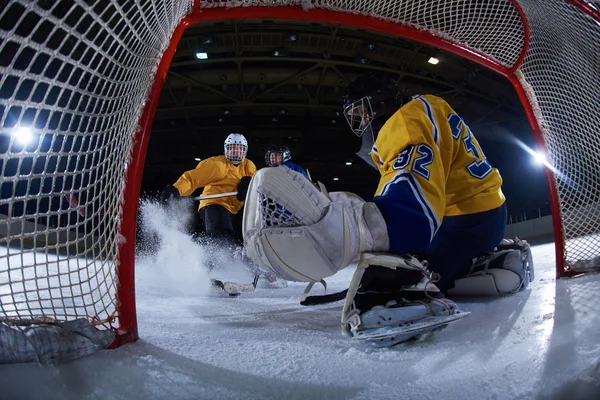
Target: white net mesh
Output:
[
  {"x": 75, "y": 76},
  {"x": 563, "y": 68},
  {"x": 74, "y": 79}
]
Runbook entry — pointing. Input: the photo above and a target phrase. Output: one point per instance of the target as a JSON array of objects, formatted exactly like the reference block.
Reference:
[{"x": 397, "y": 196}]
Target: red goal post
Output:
[{"x": 84, "y": 78}]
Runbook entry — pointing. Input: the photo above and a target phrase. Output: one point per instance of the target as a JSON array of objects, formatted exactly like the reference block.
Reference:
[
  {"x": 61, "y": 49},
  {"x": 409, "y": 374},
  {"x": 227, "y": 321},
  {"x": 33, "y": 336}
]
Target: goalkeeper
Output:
[{"x": 438, "y": 206}]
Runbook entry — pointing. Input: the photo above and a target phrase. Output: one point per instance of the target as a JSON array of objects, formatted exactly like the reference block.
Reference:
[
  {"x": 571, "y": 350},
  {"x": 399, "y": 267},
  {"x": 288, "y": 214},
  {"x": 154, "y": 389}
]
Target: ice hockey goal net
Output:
[{"x": 79, "y": 86}]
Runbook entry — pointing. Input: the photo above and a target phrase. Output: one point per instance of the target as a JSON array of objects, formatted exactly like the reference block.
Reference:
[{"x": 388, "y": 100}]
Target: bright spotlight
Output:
[
  {"x": 539, "y": 158},
  {"x": 433, "y": 60},
  {"x": 336, "y": 179},
  {"x": 23, "y": 135},
  {"x": 202, "y": 56},
  {"x": 198, "y": 159}
]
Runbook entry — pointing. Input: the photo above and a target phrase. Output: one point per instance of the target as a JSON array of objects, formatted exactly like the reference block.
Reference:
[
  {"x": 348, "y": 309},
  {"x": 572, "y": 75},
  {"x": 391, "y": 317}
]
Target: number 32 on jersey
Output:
[
  {"x": 420, "y": 163},
  {"x": 479, "y": 168}
]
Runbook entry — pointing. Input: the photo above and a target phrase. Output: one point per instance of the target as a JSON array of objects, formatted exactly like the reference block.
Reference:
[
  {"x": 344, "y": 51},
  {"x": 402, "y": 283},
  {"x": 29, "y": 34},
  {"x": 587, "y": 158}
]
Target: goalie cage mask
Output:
[{"x": 368, "y": 98}]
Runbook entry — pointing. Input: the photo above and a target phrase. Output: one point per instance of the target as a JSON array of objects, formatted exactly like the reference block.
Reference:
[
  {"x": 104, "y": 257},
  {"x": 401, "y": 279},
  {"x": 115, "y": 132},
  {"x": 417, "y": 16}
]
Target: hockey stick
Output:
[
  {"x": 308, "y": 175},
  {"x": 214, "y": 196},
  {"x": 323, "y": 299},
  {"x": 82, "y": 210},
  {"x": 74, "y": 203}
]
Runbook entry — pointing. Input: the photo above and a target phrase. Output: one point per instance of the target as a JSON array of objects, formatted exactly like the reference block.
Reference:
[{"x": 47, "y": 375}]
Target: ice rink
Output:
[{"x": 542, "y": 343}]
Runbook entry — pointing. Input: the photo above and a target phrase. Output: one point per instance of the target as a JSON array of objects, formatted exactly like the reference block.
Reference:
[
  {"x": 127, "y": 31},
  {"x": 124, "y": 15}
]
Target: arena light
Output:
[
  {"x": 370, "y": 46},
  {"x": 198, "y": 159},
  {"x": 336, "y": 179},
  {"x": 23, "y": 135},
  {"x": 349, "y": 163},
  {"x": 290, "y": 37},
  {"x": 433, "y": 60},
  {"x": 202, "y": 56},
  {"x": 539, "y": 158}
]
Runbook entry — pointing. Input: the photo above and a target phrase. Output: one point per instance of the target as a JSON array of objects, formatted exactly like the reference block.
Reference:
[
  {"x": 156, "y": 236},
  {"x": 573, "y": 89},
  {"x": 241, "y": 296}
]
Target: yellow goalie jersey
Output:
[
  {"x": 216, "y": 175},
  {"x": 431, "y": 167}
]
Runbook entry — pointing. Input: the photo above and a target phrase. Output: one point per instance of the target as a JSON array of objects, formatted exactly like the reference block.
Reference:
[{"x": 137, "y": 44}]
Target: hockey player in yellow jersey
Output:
[
  {"x": 218, "y": 174},
  {"x": 434, "y": 177},
  {"x": 438, "y": 207},
  {"x": 229, "y": 172}
]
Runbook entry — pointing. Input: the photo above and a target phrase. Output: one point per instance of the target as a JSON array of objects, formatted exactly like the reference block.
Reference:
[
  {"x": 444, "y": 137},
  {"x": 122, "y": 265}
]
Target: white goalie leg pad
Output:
[
  {"x": 507, "y": 270},
  {"x": 296, "y": 231},
  {"x": 495, "y": 282}
]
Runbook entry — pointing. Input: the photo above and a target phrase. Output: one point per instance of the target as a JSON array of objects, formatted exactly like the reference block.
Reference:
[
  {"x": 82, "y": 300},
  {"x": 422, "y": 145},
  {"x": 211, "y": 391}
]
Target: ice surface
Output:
[{"x": 542, "y": 343}]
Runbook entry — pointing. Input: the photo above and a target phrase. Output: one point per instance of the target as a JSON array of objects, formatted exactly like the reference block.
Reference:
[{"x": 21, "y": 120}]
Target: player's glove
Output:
[
  {"x": 169, "y": 193},
  {"x": 242, "y": 188}
]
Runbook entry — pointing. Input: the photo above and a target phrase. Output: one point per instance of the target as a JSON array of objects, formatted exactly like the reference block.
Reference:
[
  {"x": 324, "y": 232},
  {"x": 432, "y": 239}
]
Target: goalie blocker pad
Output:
[
  {"x": 301, "y": 233},
  {"x": 507, "y": 270}
]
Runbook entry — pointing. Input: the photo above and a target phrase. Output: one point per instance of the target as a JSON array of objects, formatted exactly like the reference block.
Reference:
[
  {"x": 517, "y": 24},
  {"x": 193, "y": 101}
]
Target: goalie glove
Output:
[{"x": 301, "y": 233}]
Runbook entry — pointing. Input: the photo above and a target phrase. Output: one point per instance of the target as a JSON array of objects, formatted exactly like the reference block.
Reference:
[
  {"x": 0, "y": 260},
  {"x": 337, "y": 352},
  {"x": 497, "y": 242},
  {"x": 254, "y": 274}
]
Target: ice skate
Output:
[{"x": 392, "y": 299}]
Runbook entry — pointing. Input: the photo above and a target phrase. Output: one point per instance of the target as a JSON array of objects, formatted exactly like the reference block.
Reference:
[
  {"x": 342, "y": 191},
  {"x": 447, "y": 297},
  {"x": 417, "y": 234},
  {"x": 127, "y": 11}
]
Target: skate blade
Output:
[
  {"x": 389, "y": 335},
  {"x": 235, "y": 289}
]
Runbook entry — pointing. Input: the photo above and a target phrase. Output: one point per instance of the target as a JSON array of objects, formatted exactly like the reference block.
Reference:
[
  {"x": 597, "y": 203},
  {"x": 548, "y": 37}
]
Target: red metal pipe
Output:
[
  {"x": 586, "y": 8},
  {"x": 559, "y": 242},
  {"x": 127, "y": 330}
]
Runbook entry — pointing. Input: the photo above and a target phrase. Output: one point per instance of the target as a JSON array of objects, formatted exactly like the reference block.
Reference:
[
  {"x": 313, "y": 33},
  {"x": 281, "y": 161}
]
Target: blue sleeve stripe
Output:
[
  {"x": 393, "y": 181},
  {"x": 427, "y": 209},
  {"x": 374, "y": 150},
  {"x": 429, "y": 112},
  {"x": 405, "y": 176}
]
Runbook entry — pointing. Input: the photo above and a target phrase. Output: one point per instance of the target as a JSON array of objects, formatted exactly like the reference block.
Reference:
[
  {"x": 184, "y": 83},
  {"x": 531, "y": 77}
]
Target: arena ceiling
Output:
[{"x": 281, "y": 81}]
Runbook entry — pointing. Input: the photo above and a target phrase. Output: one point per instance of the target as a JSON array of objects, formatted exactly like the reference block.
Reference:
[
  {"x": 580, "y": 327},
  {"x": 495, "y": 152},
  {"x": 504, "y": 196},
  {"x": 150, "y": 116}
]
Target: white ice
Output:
[{"x": 542, "y": 343}]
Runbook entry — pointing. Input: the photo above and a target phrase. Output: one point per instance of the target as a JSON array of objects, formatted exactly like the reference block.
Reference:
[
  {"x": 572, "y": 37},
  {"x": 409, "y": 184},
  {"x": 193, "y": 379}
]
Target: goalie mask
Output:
[
  {"x": 277, "y": 155},
  {"x": 236, "y": 148},
  {"x": 368, "y": 98}
]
